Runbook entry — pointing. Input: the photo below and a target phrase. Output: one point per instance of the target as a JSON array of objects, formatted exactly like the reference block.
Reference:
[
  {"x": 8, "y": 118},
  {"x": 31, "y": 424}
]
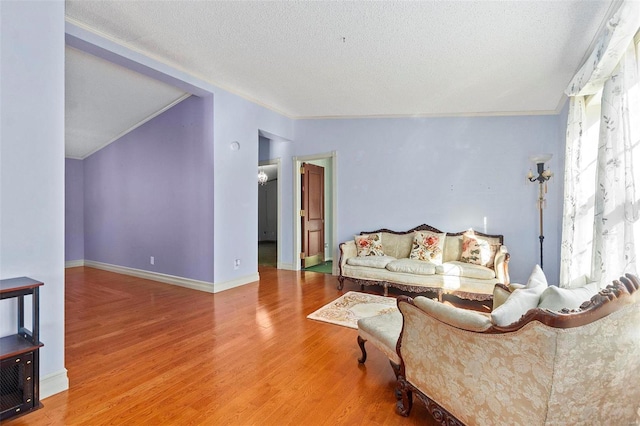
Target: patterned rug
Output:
[{"x": 350, "y": 307}]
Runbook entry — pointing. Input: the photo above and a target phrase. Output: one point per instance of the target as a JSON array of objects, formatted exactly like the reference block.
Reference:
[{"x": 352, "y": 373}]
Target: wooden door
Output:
[{"x": 312, "y": 214}]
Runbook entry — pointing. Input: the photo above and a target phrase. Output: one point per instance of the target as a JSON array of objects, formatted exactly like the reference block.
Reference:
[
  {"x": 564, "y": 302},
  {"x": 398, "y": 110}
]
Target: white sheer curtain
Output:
[{"x": 601, "y": 215}]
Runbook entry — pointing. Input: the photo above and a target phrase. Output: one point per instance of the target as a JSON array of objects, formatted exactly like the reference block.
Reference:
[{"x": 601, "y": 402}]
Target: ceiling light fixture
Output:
[{"x": 262, "y": 177}]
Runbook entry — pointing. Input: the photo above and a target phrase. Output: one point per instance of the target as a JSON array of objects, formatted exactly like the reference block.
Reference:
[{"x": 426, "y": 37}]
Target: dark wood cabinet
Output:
[{"x": 19, "y": 352}]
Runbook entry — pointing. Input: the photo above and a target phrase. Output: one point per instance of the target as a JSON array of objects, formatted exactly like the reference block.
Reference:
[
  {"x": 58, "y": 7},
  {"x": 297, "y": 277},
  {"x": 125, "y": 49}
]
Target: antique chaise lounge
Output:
[
  {"x": 579, "y": 366},
  {"x": 425, "y": 259}
]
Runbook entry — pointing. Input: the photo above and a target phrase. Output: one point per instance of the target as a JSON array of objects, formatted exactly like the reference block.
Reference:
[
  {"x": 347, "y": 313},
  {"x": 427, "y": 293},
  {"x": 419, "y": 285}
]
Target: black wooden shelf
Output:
[
  {"x": 15, "y": 344},
  {"x": 19, "y": 353}
]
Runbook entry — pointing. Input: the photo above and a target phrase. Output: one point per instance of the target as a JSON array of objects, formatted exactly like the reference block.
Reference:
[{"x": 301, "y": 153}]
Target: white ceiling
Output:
[
  {"x": 103, "y": 101},
  {"x": 310, "y": 59}
]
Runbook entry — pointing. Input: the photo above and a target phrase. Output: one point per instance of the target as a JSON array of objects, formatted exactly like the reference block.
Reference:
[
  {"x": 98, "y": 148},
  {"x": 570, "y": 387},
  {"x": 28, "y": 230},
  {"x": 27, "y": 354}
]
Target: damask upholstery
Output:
[
  {"x": 548, "y": 368},
  {"x": 382, "y": 331}
]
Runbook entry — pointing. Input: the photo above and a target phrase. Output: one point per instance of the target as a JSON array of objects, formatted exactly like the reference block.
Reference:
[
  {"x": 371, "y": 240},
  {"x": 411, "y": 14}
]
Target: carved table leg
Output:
[
  {"x": 361, "y": 343},
  {"x": 405, "y": 402},
  {"x": 396, "y": 371},
  {"x": 340, "y": 283}
]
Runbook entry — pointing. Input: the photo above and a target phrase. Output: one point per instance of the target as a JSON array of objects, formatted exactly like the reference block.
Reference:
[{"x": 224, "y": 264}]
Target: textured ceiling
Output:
[
  {"x": 336, "y": 59},
  {"x": 103, "y": 101}
]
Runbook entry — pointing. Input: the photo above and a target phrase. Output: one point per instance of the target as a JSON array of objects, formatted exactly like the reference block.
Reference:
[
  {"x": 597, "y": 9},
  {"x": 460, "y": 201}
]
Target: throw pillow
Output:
[
  {"x": 427, "y": 245},
  {"x": 521, "y": 300},
  {"x": 500, "y": 295},
  {"x": 369, "y": 244},
  {"x": 556, "y": 298},
  {"x": 477, "y": 250}
]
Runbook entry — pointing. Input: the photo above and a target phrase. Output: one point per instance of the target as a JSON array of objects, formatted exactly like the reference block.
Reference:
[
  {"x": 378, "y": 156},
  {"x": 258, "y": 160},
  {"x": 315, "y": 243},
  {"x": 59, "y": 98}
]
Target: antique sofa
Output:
[
  {"x": 549, "y": 367},
  {"x": 400, "y": 263}
]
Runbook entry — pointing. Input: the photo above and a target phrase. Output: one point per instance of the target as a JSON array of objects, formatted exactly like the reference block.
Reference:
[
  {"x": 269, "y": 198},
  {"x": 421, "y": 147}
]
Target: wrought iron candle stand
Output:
[{"x": 542, "y": 178}]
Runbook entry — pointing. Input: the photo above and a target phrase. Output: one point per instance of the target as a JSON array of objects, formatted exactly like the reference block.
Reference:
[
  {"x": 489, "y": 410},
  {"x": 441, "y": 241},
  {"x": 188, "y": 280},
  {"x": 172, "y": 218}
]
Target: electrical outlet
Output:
[
  {"x": 152, "y": 260},
  {"x": 236, "y": 264}
]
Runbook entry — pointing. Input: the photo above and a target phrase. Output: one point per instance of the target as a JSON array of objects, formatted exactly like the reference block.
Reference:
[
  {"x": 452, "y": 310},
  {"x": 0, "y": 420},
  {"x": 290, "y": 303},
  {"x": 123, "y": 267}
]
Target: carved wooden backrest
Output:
[
  {"x": 620, "y": 293},
  {"x": 425, "y": 227}
]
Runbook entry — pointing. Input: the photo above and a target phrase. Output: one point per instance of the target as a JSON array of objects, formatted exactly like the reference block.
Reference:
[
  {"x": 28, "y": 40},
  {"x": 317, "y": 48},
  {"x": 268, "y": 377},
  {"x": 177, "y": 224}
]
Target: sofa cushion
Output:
[
  {"x": 455, "y": 317},
  {"x": 521, "y": 300},
  {"x": 500, "y": 295},
  {"x": 379, "y": 262},
  {"x": 477, "y": 250},
  {"x": 555, "y": 298},
  {"x": 412, "y": 266},
  {"x": 461, "y": 269},
  {"x": 397, "y": 245},
  {"x": 427, "y": 245},
  {"x": 369, "y": 244},
  {"x": 452, "y": 248}
]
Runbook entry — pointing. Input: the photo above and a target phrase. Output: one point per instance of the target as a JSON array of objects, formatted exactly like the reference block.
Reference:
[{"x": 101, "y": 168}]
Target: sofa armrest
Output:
[
  {"x": 347, "y": 249},
  {"x": 451, "y": 366},
  {"x": 456, "y": 317},
  {"x": 501, "y": 265}
]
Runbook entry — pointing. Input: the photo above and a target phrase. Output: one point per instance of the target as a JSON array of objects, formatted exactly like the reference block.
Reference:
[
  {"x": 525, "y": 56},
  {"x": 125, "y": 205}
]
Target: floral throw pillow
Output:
[
  {"x": 427, "y": 246},
  {"x": 369, "y": 244},
  {"x": 478, "y": 251}
]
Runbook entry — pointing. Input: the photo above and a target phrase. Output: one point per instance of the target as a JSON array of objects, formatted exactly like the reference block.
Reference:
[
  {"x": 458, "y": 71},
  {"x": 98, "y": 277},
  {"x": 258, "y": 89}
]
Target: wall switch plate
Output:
[
  {"x": 152, "y": 260},
  {"x": 236, "y": 264}
]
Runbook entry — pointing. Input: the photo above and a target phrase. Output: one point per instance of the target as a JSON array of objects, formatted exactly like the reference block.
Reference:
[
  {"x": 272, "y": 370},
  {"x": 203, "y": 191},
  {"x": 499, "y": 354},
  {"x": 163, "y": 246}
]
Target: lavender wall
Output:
[
  {"x": 73, "y": 210},
  {"x": 228, "y": 118},
  {"x": 236, "y": 198},
  {"x": 32, "y": 170},
  {"x": 150, "y": 193},
  {"x": 447, "y": 172}
]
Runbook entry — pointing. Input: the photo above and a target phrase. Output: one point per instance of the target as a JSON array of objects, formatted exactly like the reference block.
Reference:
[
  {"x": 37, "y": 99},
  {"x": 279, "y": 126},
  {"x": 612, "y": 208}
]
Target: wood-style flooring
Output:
[{"x": 140, "y": 352}]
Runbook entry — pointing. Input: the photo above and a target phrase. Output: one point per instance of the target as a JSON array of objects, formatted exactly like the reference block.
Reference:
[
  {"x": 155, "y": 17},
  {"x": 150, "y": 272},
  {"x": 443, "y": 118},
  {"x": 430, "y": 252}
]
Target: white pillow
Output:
[
  {"x": 521, "y": 300},
  {"x": 537, "y": 278},
  {"x": 556, "y": 298}
]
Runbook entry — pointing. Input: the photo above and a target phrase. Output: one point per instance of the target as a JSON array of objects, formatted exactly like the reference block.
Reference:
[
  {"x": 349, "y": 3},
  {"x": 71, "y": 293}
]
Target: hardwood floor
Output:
[{"x": 142, "y": 352}]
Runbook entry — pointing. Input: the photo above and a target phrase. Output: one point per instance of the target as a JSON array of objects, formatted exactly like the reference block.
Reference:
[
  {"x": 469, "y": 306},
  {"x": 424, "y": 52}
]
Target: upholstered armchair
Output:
[{"x": 547, "y": 368}]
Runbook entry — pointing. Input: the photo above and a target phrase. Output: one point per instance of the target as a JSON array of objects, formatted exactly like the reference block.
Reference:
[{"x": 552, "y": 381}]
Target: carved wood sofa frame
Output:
[
  {"x": 607, "y": 301},
  {"x": 415, "y": 288}
]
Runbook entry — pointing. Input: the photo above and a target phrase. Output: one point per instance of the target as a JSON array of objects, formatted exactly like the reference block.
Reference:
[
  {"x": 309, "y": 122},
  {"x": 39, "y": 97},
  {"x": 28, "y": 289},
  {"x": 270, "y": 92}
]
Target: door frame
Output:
[
  {"x": 297, "y": 204},
  {"x": 277, "y": 162}
]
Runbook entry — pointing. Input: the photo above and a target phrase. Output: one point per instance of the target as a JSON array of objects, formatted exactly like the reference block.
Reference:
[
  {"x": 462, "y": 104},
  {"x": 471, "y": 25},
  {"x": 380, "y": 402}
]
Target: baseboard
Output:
[
  {"x": 227, "y": 285},
  {"x": 74, "y": 263},
  {"x": 285, "y": 266},
  {"x": 155, "y": 276},
  {"x": 54, "y": 383}
]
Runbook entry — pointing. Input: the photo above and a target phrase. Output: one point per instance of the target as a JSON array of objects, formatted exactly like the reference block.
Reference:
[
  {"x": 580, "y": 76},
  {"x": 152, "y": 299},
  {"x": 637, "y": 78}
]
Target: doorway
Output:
[
  {"x": 327, "y": 161},
  {"x": 312, "y": 214},
  {"x": 268, "y": 214}
]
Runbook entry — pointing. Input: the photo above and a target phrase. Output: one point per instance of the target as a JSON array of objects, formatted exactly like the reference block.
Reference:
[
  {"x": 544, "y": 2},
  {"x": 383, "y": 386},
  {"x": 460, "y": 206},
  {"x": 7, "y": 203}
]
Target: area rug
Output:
[{"x": 350, "y": 307}]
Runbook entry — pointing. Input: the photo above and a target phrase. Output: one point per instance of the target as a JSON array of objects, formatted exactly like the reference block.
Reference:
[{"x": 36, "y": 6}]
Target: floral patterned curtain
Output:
[
  {"x": 579, "y": 187},
  {"x": 601, "y": 215},
  {"x": 616, "y": 202}
]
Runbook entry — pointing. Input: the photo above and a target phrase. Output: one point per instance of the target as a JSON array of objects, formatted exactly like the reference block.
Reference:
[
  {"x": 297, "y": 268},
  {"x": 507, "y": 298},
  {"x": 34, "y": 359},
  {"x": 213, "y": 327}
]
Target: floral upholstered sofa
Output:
[
  {"x": 425, "y": 259},
  {"x": 549, "y": 367}
]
